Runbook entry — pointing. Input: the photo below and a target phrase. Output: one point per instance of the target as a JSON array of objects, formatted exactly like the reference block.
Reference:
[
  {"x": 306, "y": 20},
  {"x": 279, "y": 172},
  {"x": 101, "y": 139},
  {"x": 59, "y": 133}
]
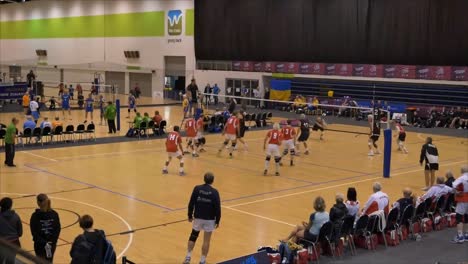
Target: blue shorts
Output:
[
  {"x": 35, "y": 115},
  {"x": 89, "y": 109},
  {"x": 66, "y": 106},
  {"x": 132, "y": 106}
]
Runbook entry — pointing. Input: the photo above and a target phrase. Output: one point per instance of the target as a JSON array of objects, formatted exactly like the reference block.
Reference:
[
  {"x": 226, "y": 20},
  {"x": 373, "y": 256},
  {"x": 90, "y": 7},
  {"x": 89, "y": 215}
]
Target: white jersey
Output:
[
  {"x": 436, "y": 191},
  {"x": 377, "y": 201},
  {"x": 353, "y": 207},
  {"x": 33, "y": 105},
  {"x": 461, "y": 185}
]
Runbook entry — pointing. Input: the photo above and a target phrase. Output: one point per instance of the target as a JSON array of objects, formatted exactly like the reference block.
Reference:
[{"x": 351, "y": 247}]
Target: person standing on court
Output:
[
  {"x": 204, "y": 211},
  {"x": 10, "y": 143},
  {"x": 110, "y": 113},
  {"x": 430, "y": 156},
  {"x": 216, "y": 91},
  {"x": 192, "y": 88},
  {"x": 34, "y": 107},
  {"x": 45, "y": 228}
]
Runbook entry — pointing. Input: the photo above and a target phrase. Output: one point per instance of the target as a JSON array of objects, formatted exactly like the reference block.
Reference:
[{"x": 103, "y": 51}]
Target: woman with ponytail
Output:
[{"x": 45, "y": 228}]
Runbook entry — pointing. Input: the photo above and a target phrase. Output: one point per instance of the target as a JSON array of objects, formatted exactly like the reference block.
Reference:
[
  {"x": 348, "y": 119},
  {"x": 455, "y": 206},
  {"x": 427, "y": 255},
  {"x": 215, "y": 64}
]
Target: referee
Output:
[
  {"x": 430, "y": 155},
  {"x": 204, "y": 210}
]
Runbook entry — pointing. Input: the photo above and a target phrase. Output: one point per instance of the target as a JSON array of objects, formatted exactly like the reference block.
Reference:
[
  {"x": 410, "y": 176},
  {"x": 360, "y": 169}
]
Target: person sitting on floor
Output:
[
  {"x": 377, "y": 201},
  {"x": 352, "y": 204},
  {"x": 310, "y": 231},
  {"x": 437, "y": 190}
]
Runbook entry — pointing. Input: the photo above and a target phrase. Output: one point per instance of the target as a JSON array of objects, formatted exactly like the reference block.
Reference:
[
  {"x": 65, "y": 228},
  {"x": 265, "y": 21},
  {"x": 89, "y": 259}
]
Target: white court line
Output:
[
  {"x": 334, "y": 186},
  {"x": 259, "y": 216},
  {"x": 39, "y": 156},
  {"x": 130, "y": 240}
]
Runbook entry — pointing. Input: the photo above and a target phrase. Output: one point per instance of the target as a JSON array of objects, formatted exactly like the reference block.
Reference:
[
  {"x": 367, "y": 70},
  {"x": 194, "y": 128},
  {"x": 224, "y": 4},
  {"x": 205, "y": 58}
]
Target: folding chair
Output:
[
  {"x": 151, "y": 126},
  {"x": 406, "y": 220},
  {"x": 142, "y": 128},
  {"x": 26, "y": 136},
  {"x": 80, "y": 130},
  {"x": 2, "y": 136},
  {"x": 373, "y": 226},
  {"x": 162, "y": 127},
  {"x": 69, "y": 133},
  {"x": 91, "y": 131},
  {"x": 46, "y": 132},
  {"x": 346, "y": 232},
  {"x": 37, "y": 133},
  {"x": 58, "y": 133}
]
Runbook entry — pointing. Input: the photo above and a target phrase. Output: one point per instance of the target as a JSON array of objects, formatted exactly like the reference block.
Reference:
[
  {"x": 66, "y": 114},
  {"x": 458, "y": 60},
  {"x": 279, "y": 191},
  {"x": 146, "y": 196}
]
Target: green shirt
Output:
[
  {"x": 111, "y": 112},
  {"x": 137, "y": 121},
  {"x": 146, "y": 119},
  {"x": 10, "y": 134}
]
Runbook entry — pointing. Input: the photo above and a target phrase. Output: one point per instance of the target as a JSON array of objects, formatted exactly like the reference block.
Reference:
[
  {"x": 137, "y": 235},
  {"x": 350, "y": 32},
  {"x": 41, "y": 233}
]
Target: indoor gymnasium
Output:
[{"x": 220, "y": 131}]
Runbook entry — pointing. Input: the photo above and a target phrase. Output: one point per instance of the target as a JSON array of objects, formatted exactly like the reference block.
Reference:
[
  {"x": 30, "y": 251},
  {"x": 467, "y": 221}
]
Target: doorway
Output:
[{"x": 174, "y": 77}]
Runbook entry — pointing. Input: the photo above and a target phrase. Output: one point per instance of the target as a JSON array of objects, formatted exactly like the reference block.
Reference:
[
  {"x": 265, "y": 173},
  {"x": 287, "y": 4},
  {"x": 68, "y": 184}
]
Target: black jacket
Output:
[
  {"x": 45, "y": 226},
  {"x": 205, "y": 203},
  {"x": 11, "y": 228},
  {"x": 338, "y": 212},
  {"x": 80, "y": 256},
  {"x": 429, "y": 154}
]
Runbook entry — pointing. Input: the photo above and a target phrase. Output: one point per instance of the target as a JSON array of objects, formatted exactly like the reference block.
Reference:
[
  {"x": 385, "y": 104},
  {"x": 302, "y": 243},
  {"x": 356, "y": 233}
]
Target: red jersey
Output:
[
  {"x": 172, "y": 142},
  {"x": 191, "y": 127},
  {"x": 231, "y": 125},
  {"x": 400, "y": 128},
  {"x": 288, "y": 132},
  {"x": 275, "y": 137},
  {"x": 200, "y": 124}
]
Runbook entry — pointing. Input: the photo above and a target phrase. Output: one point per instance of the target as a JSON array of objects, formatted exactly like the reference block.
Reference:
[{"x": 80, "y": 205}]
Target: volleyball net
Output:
[
  {"x": 49, "y": 89},
  {"x": 331, "y": 110}
]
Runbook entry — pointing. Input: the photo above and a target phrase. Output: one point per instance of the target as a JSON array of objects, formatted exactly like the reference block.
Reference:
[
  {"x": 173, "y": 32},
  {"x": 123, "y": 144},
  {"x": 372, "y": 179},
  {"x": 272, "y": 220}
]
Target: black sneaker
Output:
[
  {"x": 291, "y": 163},
  {"x": 277, "y": 174}
]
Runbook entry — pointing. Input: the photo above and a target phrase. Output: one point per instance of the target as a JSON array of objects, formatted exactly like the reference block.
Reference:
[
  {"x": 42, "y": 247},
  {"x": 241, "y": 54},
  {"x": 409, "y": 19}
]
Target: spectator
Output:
[
  {"x": 110, "y": 115},
  {"x": 157, "y": 118},
  {"x": 377, "y": 201},
  {"x": 207, "y": 93},
  {"x": 52, "y": 103},
  {"x": 299, "y": 102},
  {"x": 11, "y": 227},
  {"x": 257, "y": 96},
  {"x": 10, "y": 143},
  {"x": 25, "y": 102},
  {"x": 46, "y": 123},
  {"x": 45, "y": 228},
  {"x": 430, "y": 155},
  {"x": 408, "y": 199},
  {"x": 81, "y": 252},
  {"x": 56, "y": 123},
  {"x": 437, "y": 190},
  {"x": 311, "y": 230},
  {"x": 352, "y": 204},
  {"x": 31, "y": 78},
  {"x": 137, "y": 120},
  {"x": 29, "y": 123},
  {"x": 216, "y": 91},
  {"x": 137, "y": 91},
  {"x": 34, "y": 107},
  {"x": 192, "y": 88},
  {"x": 71, "y": 91},
  {"x": 266, "y": 95},
  {"x": 146, "y": 118},
  {"x": 101, "y": 102},
  {"x": 461, "y": 197},
  {"x": 450, "y": 179},
  {"x": 339, "y": 210},
  {"x": 204, "y": 210}
]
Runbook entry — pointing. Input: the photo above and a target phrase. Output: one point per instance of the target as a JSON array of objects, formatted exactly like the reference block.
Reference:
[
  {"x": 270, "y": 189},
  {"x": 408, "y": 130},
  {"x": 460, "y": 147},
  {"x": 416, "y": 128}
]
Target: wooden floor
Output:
[{"x": 122, "y": 187}]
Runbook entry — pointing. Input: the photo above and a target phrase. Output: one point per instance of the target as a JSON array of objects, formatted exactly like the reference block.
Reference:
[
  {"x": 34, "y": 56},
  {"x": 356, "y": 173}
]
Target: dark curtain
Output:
[{"x": 415, "y": 32}]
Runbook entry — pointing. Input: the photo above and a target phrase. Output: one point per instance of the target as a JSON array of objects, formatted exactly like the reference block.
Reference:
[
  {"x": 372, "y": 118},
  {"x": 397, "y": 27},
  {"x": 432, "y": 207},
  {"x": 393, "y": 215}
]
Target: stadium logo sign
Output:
[{"x": 174, "y": 22}]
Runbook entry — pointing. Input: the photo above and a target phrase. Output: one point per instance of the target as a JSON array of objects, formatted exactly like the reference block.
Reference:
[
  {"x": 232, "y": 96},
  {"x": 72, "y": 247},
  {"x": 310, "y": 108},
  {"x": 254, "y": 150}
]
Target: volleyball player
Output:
[
  {"x": 65, "y": 104},
  {"x": 174, "y": 149},
  {"x": 200, "y": 139},
  {"x": 319, "y": 124},
  {"x": 191, "y": 131},
  {"x": 273, "y": 138},
  {"x": 230, "y": 132},
  {"x": 89, "y": 103},
  {"x": 131, "y": 104},
  {"x": 304, "y": 135},
  {"x": 242, "y": 129},
  {"x": 401, "y": 136},
  {"x": 101, "y": 109},
  {"x": 289, "y": 142},
  {"x": 374, "y": 135}
]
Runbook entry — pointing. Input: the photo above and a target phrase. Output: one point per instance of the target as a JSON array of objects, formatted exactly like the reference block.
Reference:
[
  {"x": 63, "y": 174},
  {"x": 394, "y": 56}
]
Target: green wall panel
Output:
[
  {"x": 189, "y": 22},
  {"x": 146, "y": 24}
]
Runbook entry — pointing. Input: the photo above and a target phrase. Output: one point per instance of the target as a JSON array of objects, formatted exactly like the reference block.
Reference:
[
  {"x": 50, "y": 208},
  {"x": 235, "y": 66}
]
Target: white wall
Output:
[{"x": 68, "y": 51}]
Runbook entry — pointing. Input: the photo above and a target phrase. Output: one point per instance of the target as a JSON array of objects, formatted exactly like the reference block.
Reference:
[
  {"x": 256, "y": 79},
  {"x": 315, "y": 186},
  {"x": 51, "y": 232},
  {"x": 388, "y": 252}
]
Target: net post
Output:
[
  {"x": 387, "y": 152},
  {"x": 117, "y": 106}
]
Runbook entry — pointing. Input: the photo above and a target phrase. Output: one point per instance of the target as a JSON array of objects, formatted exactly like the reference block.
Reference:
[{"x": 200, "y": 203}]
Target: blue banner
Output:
[
  {"x": 10, "y": 91},
  {"x": 256, "y": 258}
]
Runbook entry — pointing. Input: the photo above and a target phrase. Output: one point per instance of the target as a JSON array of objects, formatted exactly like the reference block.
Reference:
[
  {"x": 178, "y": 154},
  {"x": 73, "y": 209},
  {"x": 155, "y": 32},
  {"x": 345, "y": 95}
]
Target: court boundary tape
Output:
[{"x": 129, "y": 227}]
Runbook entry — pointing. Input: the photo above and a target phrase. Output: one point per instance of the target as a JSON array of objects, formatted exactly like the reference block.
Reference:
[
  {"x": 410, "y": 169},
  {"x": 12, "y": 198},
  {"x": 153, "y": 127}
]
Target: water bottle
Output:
[
  {"x": 48, "y": 250},
  {"x": 418, "y": 237}
]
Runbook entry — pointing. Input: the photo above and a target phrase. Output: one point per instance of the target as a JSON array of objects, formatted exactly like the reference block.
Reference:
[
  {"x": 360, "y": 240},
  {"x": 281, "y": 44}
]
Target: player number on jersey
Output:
[{"x": 172, "y": 137}]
